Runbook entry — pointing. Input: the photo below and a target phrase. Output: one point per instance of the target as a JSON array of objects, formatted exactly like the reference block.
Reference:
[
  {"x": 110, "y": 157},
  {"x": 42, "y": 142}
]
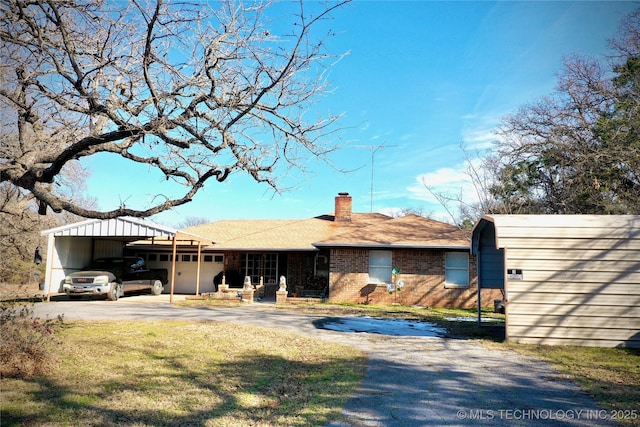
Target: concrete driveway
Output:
[{"x": 415, "y": 377}]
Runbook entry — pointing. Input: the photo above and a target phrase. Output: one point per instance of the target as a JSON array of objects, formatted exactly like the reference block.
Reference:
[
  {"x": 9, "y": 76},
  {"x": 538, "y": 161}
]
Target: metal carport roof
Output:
[{"x": 125, "y": 229}]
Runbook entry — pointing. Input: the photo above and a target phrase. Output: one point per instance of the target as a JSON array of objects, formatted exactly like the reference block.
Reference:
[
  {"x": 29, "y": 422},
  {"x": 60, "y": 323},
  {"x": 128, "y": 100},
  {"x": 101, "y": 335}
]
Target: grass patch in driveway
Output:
[
  {"x": 449, "y": 318},
  {"x": 159, "y": 373}
]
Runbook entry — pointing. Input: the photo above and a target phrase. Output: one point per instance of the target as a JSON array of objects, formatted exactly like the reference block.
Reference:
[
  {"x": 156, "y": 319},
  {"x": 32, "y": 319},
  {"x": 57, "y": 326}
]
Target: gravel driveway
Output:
[{"x": 415, "y": 377}]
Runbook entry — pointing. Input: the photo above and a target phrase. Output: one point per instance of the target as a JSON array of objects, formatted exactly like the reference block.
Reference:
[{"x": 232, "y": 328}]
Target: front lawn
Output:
[
  {"x": 213, "y": 373},
  {"x": 169, "y": 373}
]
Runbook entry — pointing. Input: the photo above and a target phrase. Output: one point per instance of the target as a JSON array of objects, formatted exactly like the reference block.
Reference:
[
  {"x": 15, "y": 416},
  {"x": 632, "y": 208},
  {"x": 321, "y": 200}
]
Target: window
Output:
[
  {"x": 153, "y": 257},
  {"x": 456, "y": 269},
  {"x": 166, "y": 257},
  {"x": 379, "y": 266},
  {"x": 316, "y": 264},
  {"x": 186, "y": 258},
  {"x": 218, "y": 259},
  {"x": 259, "y": 265},
  {"x": 208, "y": 258},
  {"x": 322, "y": 264}
]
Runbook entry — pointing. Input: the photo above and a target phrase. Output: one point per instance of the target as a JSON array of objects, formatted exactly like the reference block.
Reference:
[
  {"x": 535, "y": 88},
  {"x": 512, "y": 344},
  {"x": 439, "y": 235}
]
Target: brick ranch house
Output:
[{"x": 350, "y": 257}]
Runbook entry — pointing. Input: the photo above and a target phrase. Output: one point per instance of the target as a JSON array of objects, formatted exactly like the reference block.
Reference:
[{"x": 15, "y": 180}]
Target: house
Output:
[
  {"x": 343, "y": 256},
  {"x": 265, "y": 250},
  {"x": 431, "y": 258},
  {"x": 350, "y": 257},
  {"x": 568, "y": 279}
]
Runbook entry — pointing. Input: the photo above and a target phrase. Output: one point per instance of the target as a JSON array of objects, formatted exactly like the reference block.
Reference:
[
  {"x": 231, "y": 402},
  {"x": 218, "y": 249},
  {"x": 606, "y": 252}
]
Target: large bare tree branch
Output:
[{"x": 192, "y": 91}]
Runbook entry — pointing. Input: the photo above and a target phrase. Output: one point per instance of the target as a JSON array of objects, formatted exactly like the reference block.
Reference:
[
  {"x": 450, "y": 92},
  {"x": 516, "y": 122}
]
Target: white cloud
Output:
[
  {"x": 454, "y": 182},
  {"x": 479, "y": 131},
  {"x": 479, "y": 139}
]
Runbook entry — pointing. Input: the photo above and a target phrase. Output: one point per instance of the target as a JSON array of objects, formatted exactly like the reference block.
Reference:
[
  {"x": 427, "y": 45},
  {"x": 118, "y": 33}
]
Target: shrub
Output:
[{"x": 27, "y": 343}]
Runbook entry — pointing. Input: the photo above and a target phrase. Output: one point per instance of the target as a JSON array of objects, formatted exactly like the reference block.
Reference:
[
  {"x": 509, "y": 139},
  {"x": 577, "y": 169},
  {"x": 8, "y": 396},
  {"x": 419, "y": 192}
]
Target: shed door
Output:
[{"x": 490, "y": 260}]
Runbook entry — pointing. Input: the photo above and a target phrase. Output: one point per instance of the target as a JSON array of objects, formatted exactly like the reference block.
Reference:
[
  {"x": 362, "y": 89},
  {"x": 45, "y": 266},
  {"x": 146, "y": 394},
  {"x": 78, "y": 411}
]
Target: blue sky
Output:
[{"x": 422, "y": 78}]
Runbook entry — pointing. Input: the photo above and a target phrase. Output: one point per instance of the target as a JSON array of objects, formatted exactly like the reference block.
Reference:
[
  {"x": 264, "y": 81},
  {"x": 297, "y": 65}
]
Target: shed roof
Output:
[
  {"x": 569, "y": 226},
  {"x": 122, "y": 228}
]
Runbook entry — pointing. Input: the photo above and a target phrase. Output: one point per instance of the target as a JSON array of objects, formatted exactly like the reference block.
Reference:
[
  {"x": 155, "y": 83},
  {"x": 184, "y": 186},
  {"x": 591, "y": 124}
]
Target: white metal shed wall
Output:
[
  {"x": 65, "y": 255},
  {"x": 576, "y": 278}
]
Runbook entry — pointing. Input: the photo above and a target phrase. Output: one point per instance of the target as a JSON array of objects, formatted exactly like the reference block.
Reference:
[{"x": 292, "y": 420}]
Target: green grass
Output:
[
  {"x": 610, "y": 375},
  {"x": 169, "y": 373}
]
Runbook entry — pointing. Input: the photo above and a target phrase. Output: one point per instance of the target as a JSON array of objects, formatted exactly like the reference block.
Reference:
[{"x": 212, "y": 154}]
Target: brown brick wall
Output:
[
  {"x": 232, "y": 260},
  {"x": 422, "y": 272},
  {"x": 295, "y": 270},
  {"x": 343, "y": 207}
]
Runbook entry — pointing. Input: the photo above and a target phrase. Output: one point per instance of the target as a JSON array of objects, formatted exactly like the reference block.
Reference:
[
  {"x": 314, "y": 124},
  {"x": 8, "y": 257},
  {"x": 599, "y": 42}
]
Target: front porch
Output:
[
  {"x": 306, "y": 275},
  {"x": 251, "y": 293}
]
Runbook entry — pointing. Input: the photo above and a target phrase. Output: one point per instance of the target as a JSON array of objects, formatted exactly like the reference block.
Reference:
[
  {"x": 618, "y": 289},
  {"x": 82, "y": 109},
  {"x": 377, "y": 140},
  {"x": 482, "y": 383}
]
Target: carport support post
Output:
[
  {"x": 479, "y": 305},
  {"x": 48, "y": 277},
  {"x": 173, "y": 269},
  {"x": 198, "y": 272}
]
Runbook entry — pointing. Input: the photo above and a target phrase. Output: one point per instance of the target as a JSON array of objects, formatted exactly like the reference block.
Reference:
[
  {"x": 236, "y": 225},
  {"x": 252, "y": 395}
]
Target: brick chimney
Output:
[{"x": 343, "y": 207}]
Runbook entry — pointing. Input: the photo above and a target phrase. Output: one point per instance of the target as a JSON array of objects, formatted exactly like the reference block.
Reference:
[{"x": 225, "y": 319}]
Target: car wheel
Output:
[
  {"x": 156, "y": 289},
  {"x": 114, "y": 292}
]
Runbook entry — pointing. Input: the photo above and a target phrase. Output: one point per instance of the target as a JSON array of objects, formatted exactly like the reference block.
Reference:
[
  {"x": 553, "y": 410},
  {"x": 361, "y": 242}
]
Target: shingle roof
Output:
[
  {"x": 371, "y": 230},
  {"x": 283, "y": 234},
  {"x": 411, "y": 231}
]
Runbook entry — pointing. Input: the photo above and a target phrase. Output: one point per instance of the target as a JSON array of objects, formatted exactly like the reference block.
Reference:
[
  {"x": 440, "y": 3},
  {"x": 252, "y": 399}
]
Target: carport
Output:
[
  {"x": 568, "y": 279},
  {"x": 71, "y": 247}
]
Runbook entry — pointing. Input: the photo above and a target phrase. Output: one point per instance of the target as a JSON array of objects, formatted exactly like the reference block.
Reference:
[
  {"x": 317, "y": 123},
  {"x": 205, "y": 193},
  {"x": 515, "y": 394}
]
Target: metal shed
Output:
[
  {"x": 71, "y": 247},
  {"x": 568, "y": 279}
]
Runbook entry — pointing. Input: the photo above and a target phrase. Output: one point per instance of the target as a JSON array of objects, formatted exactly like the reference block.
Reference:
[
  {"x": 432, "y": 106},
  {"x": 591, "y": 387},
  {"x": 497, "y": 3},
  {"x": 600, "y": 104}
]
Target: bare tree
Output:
[
  {"x": 192, "y": 221},
  {"x": 420, "y": 211},
  {"x": 576, "y": 150},
  {"x": 20, "y": 224},
  {"x": 20, "y": 228},
  {"x": 461, "y": 210},
  {"x": 194, "y": 92}
]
